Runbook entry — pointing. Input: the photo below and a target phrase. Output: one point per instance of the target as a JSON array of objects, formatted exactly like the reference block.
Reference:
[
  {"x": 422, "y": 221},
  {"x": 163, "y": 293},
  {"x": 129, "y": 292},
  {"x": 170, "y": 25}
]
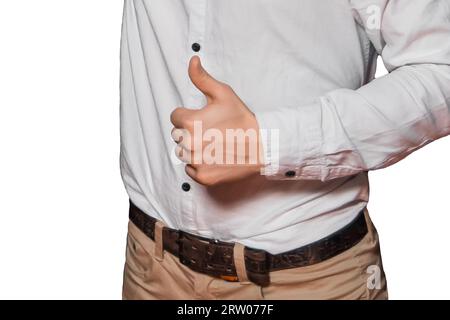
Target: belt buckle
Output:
[
  {"x": 185, "y": 245},
  {"x": 226, "y": 277},
  {"x": 188, "y": 257},
  {"x": 190, "y": 252}
]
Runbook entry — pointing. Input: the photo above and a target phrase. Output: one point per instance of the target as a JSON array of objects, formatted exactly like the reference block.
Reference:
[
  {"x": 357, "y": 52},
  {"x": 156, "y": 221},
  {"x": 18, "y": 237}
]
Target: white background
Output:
[{"x": 63, "y": 209}]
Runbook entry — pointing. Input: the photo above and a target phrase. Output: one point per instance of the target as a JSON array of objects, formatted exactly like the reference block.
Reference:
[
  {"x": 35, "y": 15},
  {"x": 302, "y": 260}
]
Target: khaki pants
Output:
[{"x": 354, "y": 274}]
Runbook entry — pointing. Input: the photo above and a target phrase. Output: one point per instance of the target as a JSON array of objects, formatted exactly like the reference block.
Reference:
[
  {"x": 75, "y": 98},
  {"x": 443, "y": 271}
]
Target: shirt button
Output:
[
  {"x": 290, "y": 174},
  {"x": 186, "y": 186},
  {"x": 196, "y": 47}
]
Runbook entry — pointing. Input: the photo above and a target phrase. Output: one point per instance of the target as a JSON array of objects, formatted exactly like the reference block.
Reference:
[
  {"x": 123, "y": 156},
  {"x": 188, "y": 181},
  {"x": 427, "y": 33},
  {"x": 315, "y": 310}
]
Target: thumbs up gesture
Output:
[{"x": 220, "y": 142}]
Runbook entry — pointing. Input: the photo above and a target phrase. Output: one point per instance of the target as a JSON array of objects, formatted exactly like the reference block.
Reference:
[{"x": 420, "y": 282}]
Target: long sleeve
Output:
[{"x": 345, "y": 131}]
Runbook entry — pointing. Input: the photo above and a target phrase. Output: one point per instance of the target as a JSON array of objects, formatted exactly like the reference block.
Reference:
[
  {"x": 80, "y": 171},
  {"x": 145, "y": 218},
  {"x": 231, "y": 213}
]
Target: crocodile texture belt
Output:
[{"x": 215, "y": 258}]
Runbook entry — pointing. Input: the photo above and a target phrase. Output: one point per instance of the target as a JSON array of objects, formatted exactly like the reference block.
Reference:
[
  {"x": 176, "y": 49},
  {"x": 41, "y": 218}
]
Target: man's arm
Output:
[{"x": 349, "y": 131}]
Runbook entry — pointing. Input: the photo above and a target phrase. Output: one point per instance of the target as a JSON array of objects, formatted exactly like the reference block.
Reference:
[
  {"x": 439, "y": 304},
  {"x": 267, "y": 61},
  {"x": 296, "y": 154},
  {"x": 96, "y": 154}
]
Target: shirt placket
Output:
[{"x": 195, "y": 46}]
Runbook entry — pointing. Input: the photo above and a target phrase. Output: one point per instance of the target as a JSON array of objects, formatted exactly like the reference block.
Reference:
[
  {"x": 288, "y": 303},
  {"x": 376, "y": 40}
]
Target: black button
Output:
[
  {"x": 290, "y": 173},
  {"x": 186, "y": 186},
  {"x": 196, "y": 47}
]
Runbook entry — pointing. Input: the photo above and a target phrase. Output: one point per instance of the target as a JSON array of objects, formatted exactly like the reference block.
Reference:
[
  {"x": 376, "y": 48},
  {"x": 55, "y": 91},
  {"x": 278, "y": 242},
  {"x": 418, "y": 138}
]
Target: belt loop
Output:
[
  {"x": 159, "y": 245},
  {"x": 239, "y": 263}
]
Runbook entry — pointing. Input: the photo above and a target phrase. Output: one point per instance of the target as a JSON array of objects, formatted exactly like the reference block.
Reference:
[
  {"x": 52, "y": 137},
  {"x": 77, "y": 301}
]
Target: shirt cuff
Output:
[{"x": 291, "y": 141}]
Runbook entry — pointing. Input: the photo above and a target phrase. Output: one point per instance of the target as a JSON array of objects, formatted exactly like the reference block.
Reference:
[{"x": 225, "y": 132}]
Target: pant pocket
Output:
[{"x": 138, "y": 261}]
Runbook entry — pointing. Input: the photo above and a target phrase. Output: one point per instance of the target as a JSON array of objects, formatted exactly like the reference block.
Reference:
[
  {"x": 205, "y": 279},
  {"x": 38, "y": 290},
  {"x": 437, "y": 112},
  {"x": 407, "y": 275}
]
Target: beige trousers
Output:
[{"x": 354, "y": 274}]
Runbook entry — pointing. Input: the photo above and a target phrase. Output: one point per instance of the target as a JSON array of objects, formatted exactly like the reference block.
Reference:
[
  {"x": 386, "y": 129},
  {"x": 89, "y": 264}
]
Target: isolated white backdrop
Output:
[{"x": 63, "y": 209}]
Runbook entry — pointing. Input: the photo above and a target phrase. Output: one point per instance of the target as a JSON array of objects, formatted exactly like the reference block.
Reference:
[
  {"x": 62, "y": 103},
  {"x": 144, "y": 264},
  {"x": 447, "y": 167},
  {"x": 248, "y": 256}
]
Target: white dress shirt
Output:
[{"x": 305, "y": 68}]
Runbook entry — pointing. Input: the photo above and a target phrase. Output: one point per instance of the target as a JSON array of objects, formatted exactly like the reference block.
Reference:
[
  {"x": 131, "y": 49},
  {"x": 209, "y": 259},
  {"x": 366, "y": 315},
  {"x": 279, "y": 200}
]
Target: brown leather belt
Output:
[{"x": 215, "y": 258}]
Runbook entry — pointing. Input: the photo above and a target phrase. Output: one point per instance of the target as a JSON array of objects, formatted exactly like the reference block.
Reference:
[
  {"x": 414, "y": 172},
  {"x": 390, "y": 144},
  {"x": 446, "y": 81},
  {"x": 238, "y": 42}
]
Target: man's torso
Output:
[{"x": 274, "y": 54}]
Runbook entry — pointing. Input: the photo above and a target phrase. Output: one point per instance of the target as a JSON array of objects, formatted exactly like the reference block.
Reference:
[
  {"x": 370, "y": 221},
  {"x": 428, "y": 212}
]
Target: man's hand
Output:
[{"x": 220, "y": 142}]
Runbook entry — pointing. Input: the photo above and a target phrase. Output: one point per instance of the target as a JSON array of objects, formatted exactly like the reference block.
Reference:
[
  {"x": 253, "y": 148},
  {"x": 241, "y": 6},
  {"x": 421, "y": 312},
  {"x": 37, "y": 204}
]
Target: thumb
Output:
[{"x": 209, "y": 86}]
